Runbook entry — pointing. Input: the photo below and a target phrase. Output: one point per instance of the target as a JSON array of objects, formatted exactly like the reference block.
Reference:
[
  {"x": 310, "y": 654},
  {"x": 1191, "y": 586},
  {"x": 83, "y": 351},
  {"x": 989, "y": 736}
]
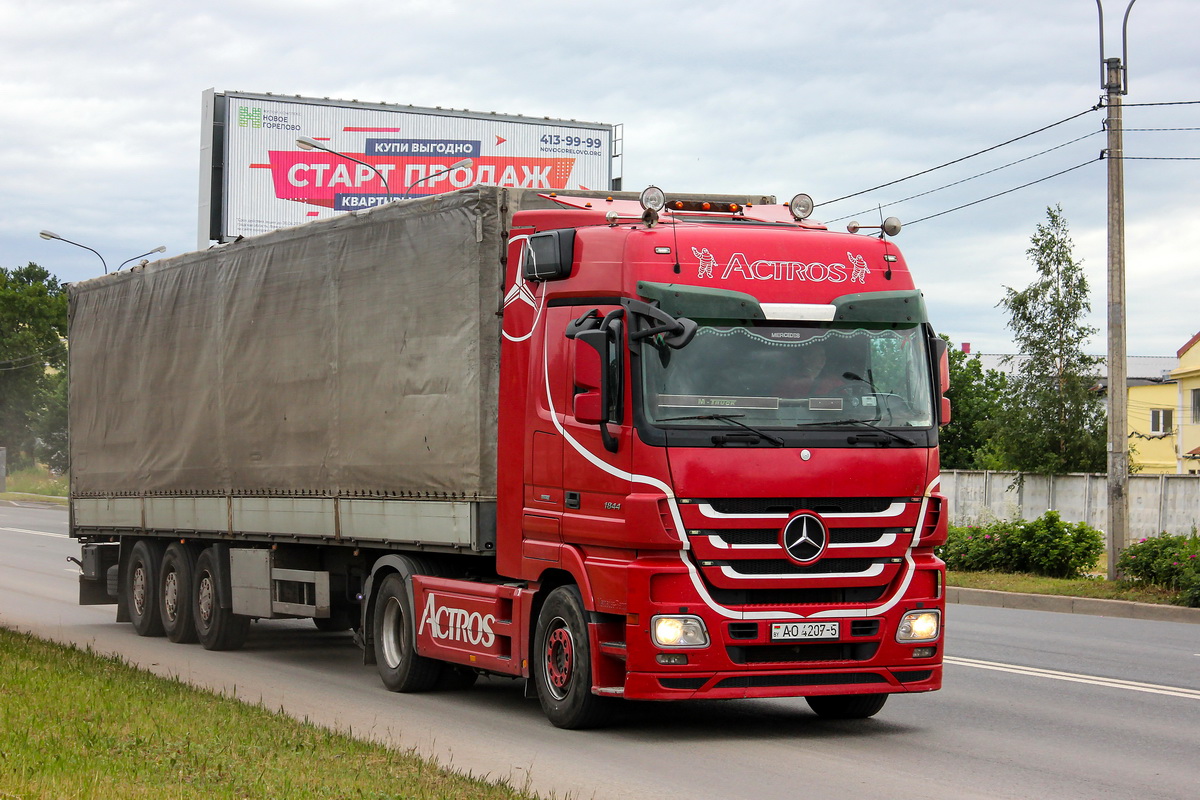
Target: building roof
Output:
[{"x": 1192, "y": 341}]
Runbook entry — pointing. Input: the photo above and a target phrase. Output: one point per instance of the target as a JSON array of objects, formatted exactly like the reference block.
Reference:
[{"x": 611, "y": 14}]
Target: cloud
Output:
[{"x": 102, "y": 116}]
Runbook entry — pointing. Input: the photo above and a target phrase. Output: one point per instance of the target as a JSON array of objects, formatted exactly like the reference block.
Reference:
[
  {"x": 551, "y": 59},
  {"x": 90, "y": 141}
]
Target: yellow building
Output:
[
  {"x": 1187, "y": 413},
  {"x": 1152, "y": 423}
]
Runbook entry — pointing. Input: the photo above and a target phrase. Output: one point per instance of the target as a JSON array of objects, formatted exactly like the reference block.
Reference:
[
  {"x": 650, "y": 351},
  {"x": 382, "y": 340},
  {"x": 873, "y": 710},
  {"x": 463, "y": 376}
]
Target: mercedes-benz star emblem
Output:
[{"x": 804, "y": 538}]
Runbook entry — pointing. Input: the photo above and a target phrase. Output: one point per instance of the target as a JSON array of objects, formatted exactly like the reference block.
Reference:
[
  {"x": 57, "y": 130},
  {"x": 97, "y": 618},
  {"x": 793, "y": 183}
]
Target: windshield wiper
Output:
[
  {"x": 897, "y": 437},
  {"x": 775, "y": 440}
]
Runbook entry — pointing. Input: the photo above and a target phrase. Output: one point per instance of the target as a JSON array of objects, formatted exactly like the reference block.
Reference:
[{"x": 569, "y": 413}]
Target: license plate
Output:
[{"x": 792, "y": 631}]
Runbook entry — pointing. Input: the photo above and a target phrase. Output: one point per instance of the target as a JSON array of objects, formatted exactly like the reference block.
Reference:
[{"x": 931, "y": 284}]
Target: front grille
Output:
[
  {"x": 801, "y": 653},
  {"x": 743, "y": 630},
  {"x": 831, "y": 595},
  {"x": 776, "y": 681},
  {"x": 777, "y": 566},
  {"x": 787, "y": 505},
  {"x": 864, "y": 627},
  {"x": 768, "y": 536}
]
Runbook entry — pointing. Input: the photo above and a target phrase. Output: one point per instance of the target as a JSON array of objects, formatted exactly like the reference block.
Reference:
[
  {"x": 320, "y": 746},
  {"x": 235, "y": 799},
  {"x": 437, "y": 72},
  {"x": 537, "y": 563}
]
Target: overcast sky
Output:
[{"x": 100, "y": 118}]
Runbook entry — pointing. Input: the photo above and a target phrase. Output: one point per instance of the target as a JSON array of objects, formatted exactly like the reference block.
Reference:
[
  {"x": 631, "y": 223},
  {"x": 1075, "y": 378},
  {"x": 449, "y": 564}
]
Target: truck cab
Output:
[{"x": 721, "y": 426}]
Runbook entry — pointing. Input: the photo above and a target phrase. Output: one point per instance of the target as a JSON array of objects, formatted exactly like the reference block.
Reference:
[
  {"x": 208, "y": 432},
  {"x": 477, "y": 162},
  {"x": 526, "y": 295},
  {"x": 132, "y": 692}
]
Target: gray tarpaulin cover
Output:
[{"x": 358, "y": 354}]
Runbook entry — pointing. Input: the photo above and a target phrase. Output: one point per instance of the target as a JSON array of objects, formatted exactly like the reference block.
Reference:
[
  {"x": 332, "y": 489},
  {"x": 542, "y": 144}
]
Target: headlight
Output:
[
  {"x": 679, "y": 631},
  {"x": 919, "y": 626}
]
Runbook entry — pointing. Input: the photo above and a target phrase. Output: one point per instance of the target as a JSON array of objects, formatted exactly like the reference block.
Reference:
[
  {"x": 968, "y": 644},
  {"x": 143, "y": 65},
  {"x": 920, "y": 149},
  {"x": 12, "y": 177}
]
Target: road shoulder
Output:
[{"x": 1072, "y": 605}]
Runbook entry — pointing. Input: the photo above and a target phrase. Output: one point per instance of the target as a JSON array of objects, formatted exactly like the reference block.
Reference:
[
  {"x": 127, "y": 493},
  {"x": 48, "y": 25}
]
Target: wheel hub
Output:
[
  {"x": 204, "y": 599},
  {"x": 139, "y": 590},
  {"x": 560, "y": 661},
  {"x": 171, "y": 594}
]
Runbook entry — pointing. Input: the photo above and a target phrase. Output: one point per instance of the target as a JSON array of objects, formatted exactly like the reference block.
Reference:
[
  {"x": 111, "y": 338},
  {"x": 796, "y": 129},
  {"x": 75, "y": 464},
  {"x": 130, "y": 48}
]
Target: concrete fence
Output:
[{"x": 1157, "y": 503}]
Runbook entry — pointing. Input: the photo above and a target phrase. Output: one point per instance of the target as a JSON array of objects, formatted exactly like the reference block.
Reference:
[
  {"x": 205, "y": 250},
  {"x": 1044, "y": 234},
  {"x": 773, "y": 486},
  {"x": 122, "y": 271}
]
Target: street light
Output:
[
  {"x": 305, "y": 143},
  {"x": 52, "y": 235},
  {"x": 162, "y": 248},
  {"x": 461, "y": 164},
  {"x": 1114, "y": 81}
]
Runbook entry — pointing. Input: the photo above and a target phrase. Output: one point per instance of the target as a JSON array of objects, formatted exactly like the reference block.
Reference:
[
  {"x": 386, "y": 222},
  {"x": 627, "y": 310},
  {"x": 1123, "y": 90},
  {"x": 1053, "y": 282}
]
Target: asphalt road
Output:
[{"x": 1035, "y": 705}]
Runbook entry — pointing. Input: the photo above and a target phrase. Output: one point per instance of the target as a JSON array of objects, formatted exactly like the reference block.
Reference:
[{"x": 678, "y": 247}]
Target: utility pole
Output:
[
  {"x": 1114, "y": 81},
  {"x": 1118, "y": 394}
]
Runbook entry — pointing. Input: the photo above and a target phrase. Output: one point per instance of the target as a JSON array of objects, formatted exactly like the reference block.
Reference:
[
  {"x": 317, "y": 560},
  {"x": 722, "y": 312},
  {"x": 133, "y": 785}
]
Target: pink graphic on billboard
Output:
[{"x": 318, "y": 178}]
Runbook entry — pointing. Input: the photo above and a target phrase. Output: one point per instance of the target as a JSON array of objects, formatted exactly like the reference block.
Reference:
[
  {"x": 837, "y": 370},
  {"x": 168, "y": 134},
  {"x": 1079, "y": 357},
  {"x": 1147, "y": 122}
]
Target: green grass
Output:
[
  {"x": 35, "y": 480},
  {"x": 1070, "y": 587},
  {"x": 75, "y": 724}
]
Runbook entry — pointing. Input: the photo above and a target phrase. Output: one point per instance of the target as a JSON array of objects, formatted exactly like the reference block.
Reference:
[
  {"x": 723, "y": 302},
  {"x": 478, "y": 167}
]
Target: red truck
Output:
[{"x": 654, "y": 448}]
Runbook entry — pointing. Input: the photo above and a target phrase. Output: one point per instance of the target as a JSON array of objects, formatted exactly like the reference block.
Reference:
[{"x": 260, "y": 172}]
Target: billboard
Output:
[{"x": 255, "y": 177}]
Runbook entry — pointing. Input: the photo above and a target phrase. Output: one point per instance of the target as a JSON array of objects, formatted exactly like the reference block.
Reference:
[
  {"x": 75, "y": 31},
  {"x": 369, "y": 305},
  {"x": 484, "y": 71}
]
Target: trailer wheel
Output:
[
  {"x": 141, "y": 588},
  {"x": 175, "y": 592},
  {"x": 401, "y": 669},
  {"x": 217, "y": 628},
  {"x": 847, "y": 706},
  {"x": 562, "y": 666}
]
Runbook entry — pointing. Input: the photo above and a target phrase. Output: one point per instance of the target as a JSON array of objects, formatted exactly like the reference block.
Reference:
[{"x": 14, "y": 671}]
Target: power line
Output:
[
  {"x": 973, "y": 177},
  {"x": 1001, "y": 194},
  {"x": 1172, "y": 103},
  {"x": 31, "y": 359},
  {"x": 963, "y": 158}
]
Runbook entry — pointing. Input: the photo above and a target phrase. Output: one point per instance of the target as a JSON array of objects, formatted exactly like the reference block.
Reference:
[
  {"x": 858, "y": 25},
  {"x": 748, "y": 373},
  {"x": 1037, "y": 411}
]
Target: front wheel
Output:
[
  {"x": 562, "y": 668},
  {"x": 847, "y": 706}
]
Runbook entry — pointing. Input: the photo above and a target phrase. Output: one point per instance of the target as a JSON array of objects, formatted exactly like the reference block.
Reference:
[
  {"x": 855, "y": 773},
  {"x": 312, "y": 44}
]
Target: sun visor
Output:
[
  {"x": 900, "y": 307},
  {"x": 701, "y": 302}
]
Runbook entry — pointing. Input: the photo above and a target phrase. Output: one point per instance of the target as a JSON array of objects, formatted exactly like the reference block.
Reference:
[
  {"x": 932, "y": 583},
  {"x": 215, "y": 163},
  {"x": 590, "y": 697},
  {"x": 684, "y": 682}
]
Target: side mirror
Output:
[
  {"x": 942, "y": 350},
  {"x": 590, "y": 405},
  {"x": 550, "y": 255}
]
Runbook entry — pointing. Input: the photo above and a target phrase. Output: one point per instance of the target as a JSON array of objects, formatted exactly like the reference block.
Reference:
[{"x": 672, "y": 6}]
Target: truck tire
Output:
[
  {"x": 141, "y": 587},
  {"x": 175, "y": 577},
  {"x": 847, "y": 706},
  {"x": 217, "y": 628},
  {"x": 562, "y": 664},
  {"x": 401, "y": 669}
]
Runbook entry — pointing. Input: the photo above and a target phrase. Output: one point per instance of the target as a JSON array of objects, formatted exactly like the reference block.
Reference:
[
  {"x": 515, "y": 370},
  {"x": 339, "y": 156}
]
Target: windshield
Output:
[{"x": 791, "y": 375}]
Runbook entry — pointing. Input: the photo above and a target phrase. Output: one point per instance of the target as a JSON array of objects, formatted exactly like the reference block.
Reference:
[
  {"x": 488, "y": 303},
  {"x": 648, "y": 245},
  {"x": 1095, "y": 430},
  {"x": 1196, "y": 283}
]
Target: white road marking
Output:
[
  {"x": 37, "y": 533},
  {"x": 1111, "y": 683}
]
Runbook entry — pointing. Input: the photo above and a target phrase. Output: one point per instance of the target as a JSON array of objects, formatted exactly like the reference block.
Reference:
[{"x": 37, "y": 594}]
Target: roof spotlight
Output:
[
  {"x": 653, "y": 199},
  {"x": 801, "y": 206}
]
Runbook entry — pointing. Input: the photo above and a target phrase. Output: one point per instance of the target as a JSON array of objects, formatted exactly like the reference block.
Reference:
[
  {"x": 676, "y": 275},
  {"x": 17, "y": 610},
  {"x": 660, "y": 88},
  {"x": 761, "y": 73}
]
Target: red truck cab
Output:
[{"x": 718, "y": 458}]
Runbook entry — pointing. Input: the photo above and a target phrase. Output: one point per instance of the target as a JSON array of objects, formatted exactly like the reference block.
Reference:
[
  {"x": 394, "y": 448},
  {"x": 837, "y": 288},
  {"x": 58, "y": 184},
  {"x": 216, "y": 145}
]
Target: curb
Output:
[{"x": 1072, "y": 605}]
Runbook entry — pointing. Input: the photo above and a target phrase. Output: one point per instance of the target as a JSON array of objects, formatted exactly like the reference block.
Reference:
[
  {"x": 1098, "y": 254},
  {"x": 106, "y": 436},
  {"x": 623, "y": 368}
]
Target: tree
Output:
[
  {"x": 976, "y": 396},
  {"x": 1052, "y": 420},
  {"x": 33, "y": 324}
]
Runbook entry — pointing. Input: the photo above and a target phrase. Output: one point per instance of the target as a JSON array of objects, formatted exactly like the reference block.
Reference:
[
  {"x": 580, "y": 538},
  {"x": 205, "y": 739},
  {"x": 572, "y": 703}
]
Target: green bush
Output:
[
  {"x": 1046, "y": 546},
  {"x": 1164, "y": 560}
]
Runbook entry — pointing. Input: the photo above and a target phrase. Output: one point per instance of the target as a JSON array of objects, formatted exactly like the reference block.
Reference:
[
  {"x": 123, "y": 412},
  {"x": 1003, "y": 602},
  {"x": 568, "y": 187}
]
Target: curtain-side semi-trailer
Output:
[{"x": 656, "y": 449}]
